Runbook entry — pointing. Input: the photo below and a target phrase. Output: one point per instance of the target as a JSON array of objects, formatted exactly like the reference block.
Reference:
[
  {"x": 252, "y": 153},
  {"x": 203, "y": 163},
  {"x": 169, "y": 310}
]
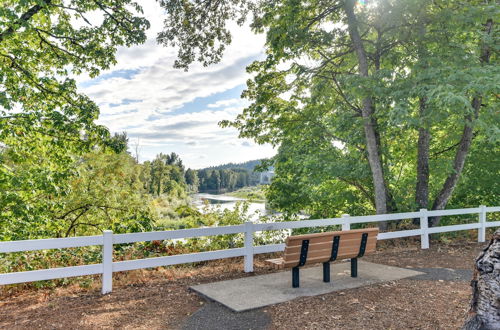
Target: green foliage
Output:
[
  {"x": 166, "y": 175},
  {"x": 192, "y": 181},
  {"x": 219, "y": 217},
  {"x": 46, "y": 125},
  {"x": 199, "y": 28},
  {"x": 479, "y": 184},
  {"x": 225, "y": 180},
  {"x": 102, "y": 191},
  {"x": 251, "y": 165},
  {"x": 307, "y": 99},
  {"x": 118, "y": 143},
  {"x": 32, "y": 175},
  {"x": 211, "y": 216},
  {"x": 44, "y": 42},
  {"x": 106, "y": 194}
]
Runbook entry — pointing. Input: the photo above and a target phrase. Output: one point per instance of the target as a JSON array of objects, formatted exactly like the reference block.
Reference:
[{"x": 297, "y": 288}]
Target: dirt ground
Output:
[
  {"x": 460, "y": 255},
  {"x": 160, "y": 299},
  {"x": 404, "y": 304}
]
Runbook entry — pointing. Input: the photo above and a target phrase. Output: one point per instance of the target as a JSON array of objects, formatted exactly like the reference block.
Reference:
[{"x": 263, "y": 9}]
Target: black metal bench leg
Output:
[
  {"x": 354, "y": 267},
  {"x": 326, "y": 272},
  {"x": 295, "y": 277}
]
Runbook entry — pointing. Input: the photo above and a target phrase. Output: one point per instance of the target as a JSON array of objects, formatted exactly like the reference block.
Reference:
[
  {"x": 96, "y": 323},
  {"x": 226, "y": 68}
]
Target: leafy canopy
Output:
[
  {"x": 46, "y": 125},
  {"x": 307, "y": 96}
]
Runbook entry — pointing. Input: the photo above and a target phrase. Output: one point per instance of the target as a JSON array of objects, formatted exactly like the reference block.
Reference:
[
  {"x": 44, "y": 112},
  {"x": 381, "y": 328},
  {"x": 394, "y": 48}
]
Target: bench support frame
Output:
[
  {"x": 326, "y": 272},
  {"x": 354, "y": 267},
  {"x": 295, "y": 277},
  {"x": 362, "y": 249}
]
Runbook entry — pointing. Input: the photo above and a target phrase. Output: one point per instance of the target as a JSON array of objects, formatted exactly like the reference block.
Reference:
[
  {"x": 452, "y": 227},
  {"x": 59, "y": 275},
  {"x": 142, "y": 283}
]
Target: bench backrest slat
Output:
[{"x": 320, "y": 246}]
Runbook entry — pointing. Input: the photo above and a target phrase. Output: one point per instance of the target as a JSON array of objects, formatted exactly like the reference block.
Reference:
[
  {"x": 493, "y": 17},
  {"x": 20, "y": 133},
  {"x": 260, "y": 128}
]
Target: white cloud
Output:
[{"x": 144, "y": 96}]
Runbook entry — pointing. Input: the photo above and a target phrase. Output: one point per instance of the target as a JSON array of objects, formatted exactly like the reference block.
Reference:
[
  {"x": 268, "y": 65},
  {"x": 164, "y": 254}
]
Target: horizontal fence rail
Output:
[
  {"x": 51, "y": 243},
  {"x": 108, "y": 239}
]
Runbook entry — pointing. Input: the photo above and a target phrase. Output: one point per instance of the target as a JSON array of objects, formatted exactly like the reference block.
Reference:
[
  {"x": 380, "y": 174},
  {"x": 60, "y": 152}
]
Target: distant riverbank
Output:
[{"x": 252, "y": 194}]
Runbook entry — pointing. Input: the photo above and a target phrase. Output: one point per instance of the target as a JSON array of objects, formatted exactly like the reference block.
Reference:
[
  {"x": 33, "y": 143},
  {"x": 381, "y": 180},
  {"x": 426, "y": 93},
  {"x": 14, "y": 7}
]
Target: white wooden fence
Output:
[{"x": 108, "y": 266}]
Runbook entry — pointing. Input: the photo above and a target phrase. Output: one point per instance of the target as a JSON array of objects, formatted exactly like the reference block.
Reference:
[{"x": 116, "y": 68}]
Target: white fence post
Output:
[
  {"x": 424, "y": 226},
  {"x": 248, "y": 247},
  {"x": 107, "y": 261},
  {"x": 345, "y": 223},
  {"x": 481, "y": 232}
]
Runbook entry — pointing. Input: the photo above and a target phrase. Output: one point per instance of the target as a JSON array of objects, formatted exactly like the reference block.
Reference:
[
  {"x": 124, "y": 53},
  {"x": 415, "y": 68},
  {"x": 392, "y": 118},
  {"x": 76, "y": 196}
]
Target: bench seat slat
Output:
[
  {"x": 279, "y": 263},
  {"x": 316, "y": 260}
]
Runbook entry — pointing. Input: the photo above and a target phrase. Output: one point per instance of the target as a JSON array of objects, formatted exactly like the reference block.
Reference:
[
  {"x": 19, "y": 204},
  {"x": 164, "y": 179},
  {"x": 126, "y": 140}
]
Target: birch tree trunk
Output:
[{"x": 484, "y": 312}]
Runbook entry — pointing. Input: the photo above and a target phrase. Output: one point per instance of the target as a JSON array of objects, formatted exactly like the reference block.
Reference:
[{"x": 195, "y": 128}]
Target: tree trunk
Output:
[
  {"x": 424, "y": 136},
  {"x": 465, "y": 142},
  {"x": 484, "y": 312},
  {"x": 369, "y": 121},
  {"x": 458, "y": 164}
]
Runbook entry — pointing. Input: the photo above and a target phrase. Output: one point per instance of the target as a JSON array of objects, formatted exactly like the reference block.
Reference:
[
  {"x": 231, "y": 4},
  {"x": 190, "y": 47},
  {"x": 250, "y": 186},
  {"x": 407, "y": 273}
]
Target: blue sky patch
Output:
[
  {"x": 125, "y": 74},
  {"x": 124, "y": 102},
  {"x": 201, "y": 103}
]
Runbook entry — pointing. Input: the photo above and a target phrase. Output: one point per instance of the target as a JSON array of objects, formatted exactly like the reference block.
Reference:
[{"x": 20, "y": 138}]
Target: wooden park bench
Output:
[{"x": 326, "y": 247}]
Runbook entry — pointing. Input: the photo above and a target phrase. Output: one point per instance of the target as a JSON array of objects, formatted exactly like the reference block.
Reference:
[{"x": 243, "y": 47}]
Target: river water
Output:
[{"x": 255, "y": 210}]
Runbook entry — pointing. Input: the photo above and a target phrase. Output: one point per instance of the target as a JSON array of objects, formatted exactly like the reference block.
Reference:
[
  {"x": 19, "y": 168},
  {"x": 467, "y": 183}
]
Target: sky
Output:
[{"x": 163, "y": 109}]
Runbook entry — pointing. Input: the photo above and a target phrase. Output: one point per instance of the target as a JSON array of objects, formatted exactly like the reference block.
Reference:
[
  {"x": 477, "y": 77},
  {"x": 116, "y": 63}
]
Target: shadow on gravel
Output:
[{"x": 214, "y": 316}]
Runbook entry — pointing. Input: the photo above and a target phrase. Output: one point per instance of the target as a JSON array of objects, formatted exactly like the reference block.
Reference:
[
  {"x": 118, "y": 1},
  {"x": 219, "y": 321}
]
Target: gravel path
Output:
[
  {"x": 443, "y": 274},
  {"x": 214, "y": 316}
]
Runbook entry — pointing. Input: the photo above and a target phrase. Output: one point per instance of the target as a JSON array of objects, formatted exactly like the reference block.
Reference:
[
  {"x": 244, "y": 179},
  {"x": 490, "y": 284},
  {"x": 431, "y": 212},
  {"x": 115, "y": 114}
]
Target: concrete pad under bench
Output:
[{"x": 264, "y": 290}]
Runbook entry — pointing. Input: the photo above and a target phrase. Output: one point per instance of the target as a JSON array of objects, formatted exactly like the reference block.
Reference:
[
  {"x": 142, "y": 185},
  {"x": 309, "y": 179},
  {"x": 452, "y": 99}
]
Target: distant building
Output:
[{"x": 266, "y": 177}]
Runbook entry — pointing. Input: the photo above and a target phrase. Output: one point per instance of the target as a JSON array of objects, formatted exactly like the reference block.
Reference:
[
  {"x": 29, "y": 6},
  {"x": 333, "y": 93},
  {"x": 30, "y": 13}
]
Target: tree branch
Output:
[
  {"x": 73, "y": 210},
  {"x": 362, "y": 189},
  {"x": 24, "y": 18}
]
